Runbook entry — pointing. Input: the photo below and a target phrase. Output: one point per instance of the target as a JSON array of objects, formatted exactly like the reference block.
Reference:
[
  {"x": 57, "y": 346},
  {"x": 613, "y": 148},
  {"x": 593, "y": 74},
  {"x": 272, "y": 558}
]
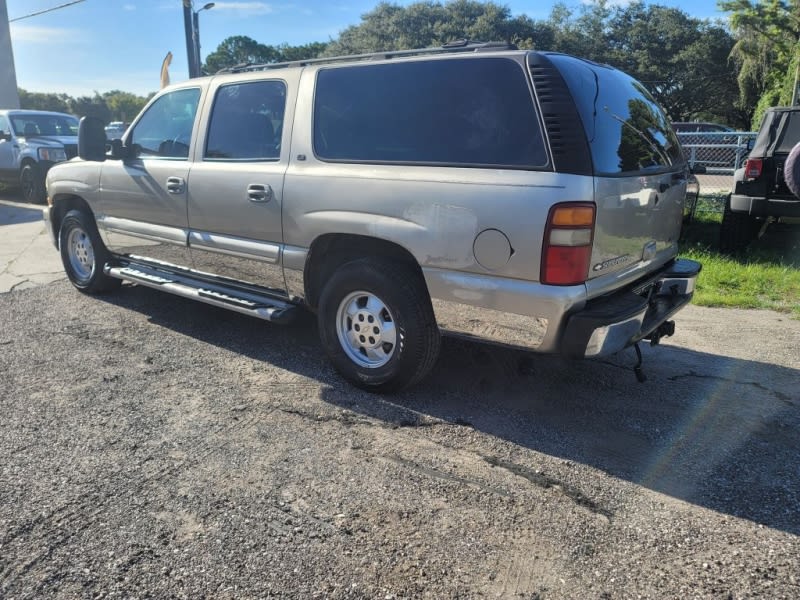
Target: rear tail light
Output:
[
  {"x": 752, "y": 168},
  {"x": 567, "y": 247}
]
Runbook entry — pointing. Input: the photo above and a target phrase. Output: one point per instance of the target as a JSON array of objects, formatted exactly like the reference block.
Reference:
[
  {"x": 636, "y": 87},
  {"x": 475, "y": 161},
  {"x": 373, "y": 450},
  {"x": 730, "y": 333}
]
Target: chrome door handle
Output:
[
  {"x": 259, "y": 193},
  {"x": 175, "y": 185}
]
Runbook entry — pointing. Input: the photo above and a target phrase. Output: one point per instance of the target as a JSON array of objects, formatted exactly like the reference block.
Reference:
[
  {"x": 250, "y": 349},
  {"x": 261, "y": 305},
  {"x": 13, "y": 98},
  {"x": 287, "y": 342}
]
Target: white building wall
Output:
[{"x": 9, "y": 97}]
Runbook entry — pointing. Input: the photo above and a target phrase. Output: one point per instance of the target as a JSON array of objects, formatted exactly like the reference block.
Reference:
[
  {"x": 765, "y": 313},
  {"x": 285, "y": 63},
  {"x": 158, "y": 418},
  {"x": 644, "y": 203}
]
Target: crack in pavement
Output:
[
  {"x": 785, "y": 398},
  {"x": 436, "y": 474},
  {"x": 547, "y": 482},
  {"x": 19, "y": 283}
]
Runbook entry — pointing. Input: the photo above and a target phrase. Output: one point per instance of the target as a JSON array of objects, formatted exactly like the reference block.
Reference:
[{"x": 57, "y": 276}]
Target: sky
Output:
[{"x": 103, "y": 45}]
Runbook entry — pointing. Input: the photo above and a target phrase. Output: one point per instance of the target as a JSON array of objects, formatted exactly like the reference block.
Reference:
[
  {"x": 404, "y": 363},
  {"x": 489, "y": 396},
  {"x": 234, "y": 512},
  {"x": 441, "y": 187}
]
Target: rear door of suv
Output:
[{"x": 236, "y": 192}]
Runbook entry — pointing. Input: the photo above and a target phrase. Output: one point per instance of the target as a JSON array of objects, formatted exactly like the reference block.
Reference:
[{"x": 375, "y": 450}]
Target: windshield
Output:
[{"x": 28, "y": 125}]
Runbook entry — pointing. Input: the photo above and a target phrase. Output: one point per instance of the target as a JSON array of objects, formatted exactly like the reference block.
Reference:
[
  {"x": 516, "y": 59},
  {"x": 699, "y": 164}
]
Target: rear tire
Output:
[
  {"x": 377, "y": 325},
  {"x": 31, "y": 182},
  {"x": 83, "y": 254},
  {"x": 791, "y": 171},
  {"x": 737, "y": 230}
]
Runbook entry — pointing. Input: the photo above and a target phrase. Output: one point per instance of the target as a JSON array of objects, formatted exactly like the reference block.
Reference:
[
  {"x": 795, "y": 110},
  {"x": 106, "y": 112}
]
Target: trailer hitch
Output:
[{"x": 666, "y": 329}]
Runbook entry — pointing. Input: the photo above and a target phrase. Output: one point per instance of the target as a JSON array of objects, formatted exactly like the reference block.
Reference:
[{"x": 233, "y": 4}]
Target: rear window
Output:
[
  {"x": 462, "y": 112},
  {"x": 783, "y": 124},
  {"x": 790, "y": 133},
  {"x": 628, "y": 131}
]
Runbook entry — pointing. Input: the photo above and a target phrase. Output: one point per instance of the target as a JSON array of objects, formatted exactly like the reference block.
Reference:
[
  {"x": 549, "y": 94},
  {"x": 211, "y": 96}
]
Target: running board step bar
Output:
[{"x": 260, "y": 306}]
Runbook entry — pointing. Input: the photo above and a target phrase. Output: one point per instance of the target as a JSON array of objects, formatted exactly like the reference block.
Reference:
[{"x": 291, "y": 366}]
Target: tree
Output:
[
  {"x": 39, "y": 101},
  {"x": 86, "y": 106},
  {"x": 288, "y": 53},
  {"x": 425, "y": 24},
  {"x": 767, "y": 51},
  {"x": 240, "y": 49},
  {"x": 123, "y": 106}
]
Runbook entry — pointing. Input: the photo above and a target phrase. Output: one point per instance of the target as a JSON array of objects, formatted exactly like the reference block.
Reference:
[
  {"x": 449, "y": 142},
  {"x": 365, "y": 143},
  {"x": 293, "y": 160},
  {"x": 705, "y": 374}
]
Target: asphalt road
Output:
[{"x": 152, "y": 447}]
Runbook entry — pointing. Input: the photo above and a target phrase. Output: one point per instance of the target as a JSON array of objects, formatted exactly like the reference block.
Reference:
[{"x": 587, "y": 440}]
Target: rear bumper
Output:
[
  {"x": 765, "y": 207},
  {"x": 558, "y": 319},
  {"x": 611, "y": 323}
]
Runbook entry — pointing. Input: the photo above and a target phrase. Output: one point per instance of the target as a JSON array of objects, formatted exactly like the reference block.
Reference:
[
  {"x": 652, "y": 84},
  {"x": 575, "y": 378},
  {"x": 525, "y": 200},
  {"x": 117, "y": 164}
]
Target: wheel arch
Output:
[
  {"x": 62, "y": 204},
  {"x": 27, "y": 160},
  {"x": 331, "y": 250}
]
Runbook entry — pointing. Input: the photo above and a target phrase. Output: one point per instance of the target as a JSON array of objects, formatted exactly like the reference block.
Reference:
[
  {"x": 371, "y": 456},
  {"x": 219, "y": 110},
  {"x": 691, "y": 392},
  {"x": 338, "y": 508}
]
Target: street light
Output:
[
  {"x": 192, "y": 32},
  {"x": 196, "y": 36}
]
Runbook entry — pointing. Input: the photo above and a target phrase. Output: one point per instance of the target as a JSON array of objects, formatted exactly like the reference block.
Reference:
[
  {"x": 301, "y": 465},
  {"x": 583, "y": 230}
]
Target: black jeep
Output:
[{"x": 767, "y": 188}]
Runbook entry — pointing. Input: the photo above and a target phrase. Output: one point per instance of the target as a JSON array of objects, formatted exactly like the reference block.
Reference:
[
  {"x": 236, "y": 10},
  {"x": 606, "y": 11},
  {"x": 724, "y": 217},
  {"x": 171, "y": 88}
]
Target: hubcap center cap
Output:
[{"x": 367, "y": 328}]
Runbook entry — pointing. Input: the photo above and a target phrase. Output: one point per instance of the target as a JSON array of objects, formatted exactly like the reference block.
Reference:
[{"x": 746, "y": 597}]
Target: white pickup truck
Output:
[{"x": 32, "y": 141}]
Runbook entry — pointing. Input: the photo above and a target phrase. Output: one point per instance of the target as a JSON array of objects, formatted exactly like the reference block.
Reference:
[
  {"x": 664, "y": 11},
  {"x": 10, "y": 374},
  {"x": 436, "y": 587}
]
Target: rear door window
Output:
[
  {"x": 459, "y": 112},
  {"x": 628, "y": 131},
  {"x": 247, "y": 122}
]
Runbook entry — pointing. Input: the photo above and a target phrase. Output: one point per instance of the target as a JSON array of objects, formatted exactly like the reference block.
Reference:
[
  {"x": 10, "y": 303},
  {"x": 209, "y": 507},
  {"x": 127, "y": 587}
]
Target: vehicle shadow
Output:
[
  {"x": 716, "y": 431},
  {"x": 14, "y": 215}
]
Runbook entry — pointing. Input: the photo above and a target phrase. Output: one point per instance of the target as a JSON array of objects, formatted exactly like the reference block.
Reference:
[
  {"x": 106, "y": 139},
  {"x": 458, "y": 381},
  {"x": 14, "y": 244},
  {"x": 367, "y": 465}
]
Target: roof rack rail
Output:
[{"x": 448, "y": 48}]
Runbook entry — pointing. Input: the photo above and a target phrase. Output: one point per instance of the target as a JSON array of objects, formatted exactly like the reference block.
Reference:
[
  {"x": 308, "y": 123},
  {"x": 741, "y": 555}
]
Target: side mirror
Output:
[
  {"x": 5, "y": 136},
  {"x": 92, "y": 139},
  {"x": 117, "y": 149}
]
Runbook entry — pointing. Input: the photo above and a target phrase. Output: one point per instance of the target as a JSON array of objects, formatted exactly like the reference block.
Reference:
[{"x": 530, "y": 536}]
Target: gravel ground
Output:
[{"x": 155, "y": 448}]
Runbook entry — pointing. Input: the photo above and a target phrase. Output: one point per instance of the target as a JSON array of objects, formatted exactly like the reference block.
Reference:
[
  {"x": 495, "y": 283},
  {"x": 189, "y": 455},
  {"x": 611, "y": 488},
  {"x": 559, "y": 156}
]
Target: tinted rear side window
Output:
[
  {"x": 247, "y": 121},
  {"x": 627, "y": 130},
  {"x": 465, "y": 112},
  {"x": 790, "y": 134}
]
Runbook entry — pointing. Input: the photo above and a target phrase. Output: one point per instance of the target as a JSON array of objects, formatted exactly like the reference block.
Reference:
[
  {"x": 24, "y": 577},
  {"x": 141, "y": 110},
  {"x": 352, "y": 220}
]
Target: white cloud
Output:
[
  {"x": 129, "y": 7},
  {"x": 42, "y": 35},
  {"x": 247, "y": 8}
]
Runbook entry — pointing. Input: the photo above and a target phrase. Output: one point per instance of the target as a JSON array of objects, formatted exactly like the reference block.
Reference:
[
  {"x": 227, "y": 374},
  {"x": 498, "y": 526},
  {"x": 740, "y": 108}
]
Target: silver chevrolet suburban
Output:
[
  {"x": 523, "y": 198},
  {"x": 32, "y": 141}
]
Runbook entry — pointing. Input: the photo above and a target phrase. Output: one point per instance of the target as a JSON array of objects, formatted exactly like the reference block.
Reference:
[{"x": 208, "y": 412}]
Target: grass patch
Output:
[{"x": 766, "y": 275}]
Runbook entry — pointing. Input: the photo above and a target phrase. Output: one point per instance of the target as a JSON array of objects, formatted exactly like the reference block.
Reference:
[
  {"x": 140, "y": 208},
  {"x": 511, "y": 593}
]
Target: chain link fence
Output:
[{"x": 720, "y": 153}]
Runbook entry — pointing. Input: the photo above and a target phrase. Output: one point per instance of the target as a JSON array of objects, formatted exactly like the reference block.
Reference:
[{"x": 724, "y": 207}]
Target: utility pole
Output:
[
  {"x": 9, "y": 96},
  {"x": 188, "y": 26},
  {"x": 196, "y": 36}
]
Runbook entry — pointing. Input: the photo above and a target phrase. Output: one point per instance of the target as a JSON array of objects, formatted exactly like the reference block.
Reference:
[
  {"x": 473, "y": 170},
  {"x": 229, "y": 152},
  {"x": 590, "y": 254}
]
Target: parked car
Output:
[
  {"x": 116, "y": 129},
  {"x": 699, "y": 127},
  {"x": 474, "y": 190},
  {"x": 710, "y": 145},
  {"x": 762, "y": 189},
  {"x": 32, "y": 141}
]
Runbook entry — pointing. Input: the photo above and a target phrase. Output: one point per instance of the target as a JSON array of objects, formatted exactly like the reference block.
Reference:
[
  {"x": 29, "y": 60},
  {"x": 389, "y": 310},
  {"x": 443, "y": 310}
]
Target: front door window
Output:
[{"x": 165, "y": 130}]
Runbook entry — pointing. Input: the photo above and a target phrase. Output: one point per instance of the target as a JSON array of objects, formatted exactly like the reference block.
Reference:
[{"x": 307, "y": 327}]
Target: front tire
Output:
[
  {"x": 31, "y": 182},
  {"x": 84, "y": 254},
  {"x": 737, "y": 230},
  {"x": 377, "y": 325}
]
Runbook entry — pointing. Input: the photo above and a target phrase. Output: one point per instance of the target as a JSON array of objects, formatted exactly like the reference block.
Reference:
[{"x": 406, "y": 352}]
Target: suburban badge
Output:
[{"x": 611, "y": 262}]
